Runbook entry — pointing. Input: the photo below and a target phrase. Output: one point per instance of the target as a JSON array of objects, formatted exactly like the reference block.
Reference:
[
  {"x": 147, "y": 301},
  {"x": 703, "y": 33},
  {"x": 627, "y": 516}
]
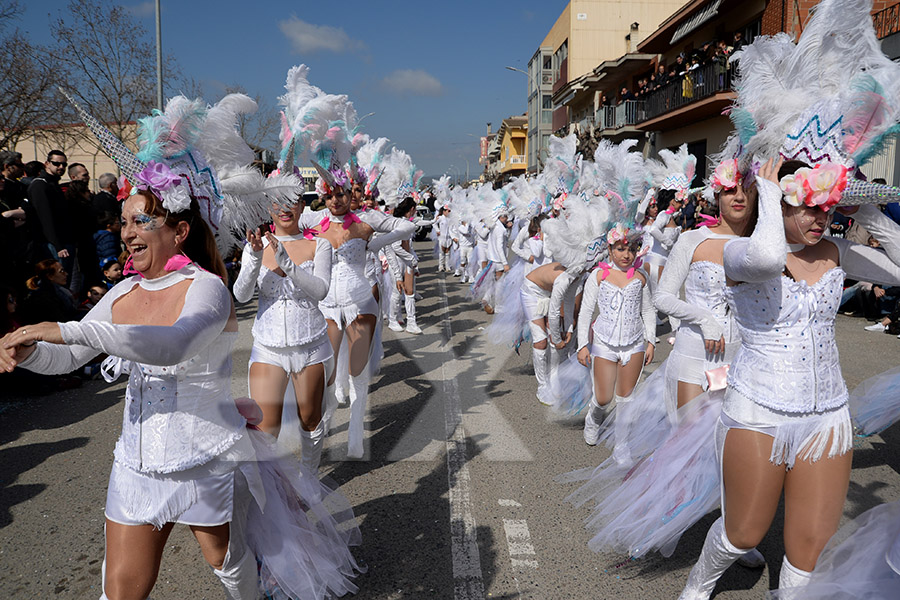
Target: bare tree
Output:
[
  {"x": 111, "y": 64},
  {"x": 27, "y": 88}
]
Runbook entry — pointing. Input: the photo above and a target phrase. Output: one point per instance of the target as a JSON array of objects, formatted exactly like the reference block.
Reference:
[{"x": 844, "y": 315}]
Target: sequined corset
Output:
[
  {"x": 286, "y": 315},
  {"x": 619, "y": 322},
  {"x": 788, "y": 358},
  {"x": 348, "y": 274},
  {"x": 705, "y": 288},
  {"x": 180, "y": 416}
]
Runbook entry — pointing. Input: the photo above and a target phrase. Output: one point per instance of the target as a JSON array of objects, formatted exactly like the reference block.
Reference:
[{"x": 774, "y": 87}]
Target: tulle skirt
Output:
[
  {"x": 509, "y": 327},
  {"x": 862, "y": 560},
  {"x": 875, "y": 403},
  {"x": 648, "y": 506}
]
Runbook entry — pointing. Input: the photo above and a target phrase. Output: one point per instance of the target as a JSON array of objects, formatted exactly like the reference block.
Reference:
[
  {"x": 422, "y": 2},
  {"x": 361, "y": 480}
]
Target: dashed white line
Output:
[
  {"x": 518, "y": 540},
  {"x": 468, "y": 582}
]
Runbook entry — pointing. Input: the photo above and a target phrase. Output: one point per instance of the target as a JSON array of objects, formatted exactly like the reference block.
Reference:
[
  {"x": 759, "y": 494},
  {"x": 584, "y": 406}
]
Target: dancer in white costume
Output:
[
  {"x": 624, "y": 333},
  {"x": 465, "y": 237},
  {"x": 444, "y": 239},
  {"x": 404, "y": 280},
  {"x": 529, "y": 244},
  {"x": 707, "y": 338},
  {"x": 174, "y": 325},
  {"x": 324, "y": 125},
  {"x": 672, "y": 179},
  {"x": 785, "y": 424},
  {"x": 290, "y": 347}
]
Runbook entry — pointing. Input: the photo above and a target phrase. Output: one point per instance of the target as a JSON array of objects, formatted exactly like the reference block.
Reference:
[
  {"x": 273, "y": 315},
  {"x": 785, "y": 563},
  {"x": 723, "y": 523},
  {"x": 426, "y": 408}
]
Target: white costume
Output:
[
  {"x": 185, "y": 455},
  {"x": 465, "y": 233},
  {"x": 289, "y": 329}
]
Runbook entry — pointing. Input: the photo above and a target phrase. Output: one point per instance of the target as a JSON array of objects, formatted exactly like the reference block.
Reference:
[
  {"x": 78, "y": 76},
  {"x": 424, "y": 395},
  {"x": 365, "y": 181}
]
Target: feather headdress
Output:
[
  {"x": 323, "y": 125},
  {"x": 832, "y": 98},
  {"x": 674, "y": 171},
  {"x": 578, "y": 240}
]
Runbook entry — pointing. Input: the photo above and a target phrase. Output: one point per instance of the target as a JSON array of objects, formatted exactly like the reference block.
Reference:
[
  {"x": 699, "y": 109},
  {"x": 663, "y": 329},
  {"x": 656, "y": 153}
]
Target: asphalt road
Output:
[{"x": 455, "y": 496}]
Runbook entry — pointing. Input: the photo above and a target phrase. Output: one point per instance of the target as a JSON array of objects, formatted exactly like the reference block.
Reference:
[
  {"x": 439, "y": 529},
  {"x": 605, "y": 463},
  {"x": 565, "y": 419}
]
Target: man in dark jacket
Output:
[
  {"x": 105, "y": 199},
  {"x": 54, "y": 213}
]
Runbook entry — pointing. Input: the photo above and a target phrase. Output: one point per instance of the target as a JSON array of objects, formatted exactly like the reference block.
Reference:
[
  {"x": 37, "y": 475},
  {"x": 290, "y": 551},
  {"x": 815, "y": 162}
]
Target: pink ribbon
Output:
[
  {"x": 175, "y": 263},
  {"x": 708, "y": 221},
  {"x": 606, "y": 267},
  {"x": 628, "y": 275},
  {"x": 309, "y": 233},
  {"x": 349, "y": 219},
  {"x": 128, "y": 268}
]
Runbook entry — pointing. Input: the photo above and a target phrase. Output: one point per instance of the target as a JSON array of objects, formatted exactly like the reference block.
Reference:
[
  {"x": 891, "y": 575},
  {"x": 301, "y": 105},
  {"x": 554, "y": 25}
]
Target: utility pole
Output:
[{"x": 159, "y": 88}]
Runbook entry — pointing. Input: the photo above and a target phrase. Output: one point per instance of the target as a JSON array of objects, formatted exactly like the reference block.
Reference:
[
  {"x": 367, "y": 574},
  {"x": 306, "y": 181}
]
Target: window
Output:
[{"x": 547, "y": 102}]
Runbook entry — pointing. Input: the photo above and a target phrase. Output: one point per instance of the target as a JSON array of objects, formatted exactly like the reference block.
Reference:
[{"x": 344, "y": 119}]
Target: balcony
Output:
[
  {"x": 624, "y": 114},
  {"x": 513, "y": 163},
  {"x": 887, "y": 21}
]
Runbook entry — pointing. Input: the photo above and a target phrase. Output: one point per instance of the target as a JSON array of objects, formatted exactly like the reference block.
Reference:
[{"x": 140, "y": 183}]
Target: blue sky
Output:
[{"x": 431, "y": 72}]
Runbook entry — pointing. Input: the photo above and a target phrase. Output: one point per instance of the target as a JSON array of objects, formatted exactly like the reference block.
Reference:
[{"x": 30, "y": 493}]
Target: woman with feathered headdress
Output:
[
  {"x": 324, "y": 126},
  {"x": 186, "y": 453},
  {"x": 785, "y": 425}
]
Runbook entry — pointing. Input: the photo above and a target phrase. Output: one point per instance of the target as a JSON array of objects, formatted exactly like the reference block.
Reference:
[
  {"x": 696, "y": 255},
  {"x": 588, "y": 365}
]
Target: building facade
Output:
[{"x": 586, "y": 33}]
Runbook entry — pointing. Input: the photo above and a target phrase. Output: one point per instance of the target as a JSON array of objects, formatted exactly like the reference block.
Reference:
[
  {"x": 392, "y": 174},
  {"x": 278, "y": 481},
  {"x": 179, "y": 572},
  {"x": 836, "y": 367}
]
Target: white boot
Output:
[
  {"x": 791, "y": 580},
  {"x": 622, "y": 429},
  {"x": 440, "y": 260},
  {"x": 394, "y": 312},
  {"x": 539, "y": 360},
  {"x": 311, "y": 443},
  {"x": 329, "y": 406},
  {"x": 717, "y": 555},
  {"x": 340, "y": 396},
  {"x": 359, "y": 392},
  {"x": 593, "y": 418},
  {"x": 239, "y": 578},
  {"x": 411, "y": 326}
]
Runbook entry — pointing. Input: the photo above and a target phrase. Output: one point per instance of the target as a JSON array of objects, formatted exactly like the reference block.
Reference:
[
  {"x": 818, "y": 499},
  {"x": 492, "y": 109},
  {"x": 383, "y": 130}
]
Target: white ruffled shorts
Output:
[
  {"x": 201, "y": 496},
  {"x": 796, "y": 435},
  {"x": 620, "y": 354},
  {"x": 293, "y": 358},
  {"x": 345, "y": 314}
]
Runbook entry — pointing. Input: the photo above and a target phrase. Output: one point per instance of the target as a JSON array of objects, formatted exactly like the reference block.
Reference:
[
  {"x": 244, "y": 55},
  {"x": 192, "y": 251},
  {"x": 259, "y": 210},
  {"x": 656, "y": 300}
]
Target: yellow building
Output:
[
  {"x": 588, "y": 32},
  {"x": 513, "y": 136}
]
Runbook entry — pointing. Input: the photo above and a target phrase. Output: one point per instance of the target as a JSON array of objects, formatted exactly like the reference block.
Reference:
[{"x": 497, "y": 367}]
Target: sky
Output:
[{"x": 431, "y": 72}]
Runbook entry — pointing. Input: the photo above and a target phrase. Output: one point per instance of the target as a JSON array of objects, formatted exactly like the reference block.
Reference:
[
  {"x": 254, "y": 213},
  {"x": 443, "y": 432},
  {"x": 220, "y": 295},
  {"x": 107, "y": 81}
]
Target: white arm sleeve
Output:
[
  {"x": 316, "y": 284},
  {"x": 519, "y": 245},
  {"x": 656, "y": 229},
  {"x": 648, "y": 314},
  {"x": 401, "y": 253},
  {"x": 393, "y": 263},
  {"x": 246, "y": 280},
  {"x": 585, "y": 315},
  {"x": 482, "y": 230},
  {"x": 871, "y": 264},
  {"x": 207, "y": 307},
  {"x": 557, "y": 297},
  {"x": 761, "y": 256},
  {"x": 390, "y": 229},
  {"x": 667, "y": 297}
]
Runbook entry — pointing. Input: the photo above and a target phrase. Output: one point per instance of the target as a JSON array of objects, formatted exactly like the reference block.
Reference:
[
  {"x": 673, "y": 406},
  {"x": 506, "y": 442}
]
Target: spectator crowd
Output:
[{"x": 59, "y": 244}]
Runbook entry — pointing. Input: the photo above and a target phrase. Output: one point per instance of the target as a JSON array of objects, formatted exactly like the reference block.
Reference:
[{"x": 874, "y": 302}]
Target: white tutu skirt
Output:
[
  {"x": 509, "y": 327},
  {"x": 485, "y": 284},
  {"x": 862, "y": 560},
  {"x": 302, "y": 531},
  {"x": 648, "y": 506},
  {"x": 875, "y": 403},
  {"x": 344, "y": 314}
]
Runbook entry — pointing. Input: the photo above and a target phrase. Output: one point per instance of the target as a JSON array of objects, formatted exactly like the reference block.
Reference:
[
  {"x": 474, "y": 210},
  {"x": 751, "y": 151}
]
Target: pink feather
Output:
[{"x": 865, "y": 121}]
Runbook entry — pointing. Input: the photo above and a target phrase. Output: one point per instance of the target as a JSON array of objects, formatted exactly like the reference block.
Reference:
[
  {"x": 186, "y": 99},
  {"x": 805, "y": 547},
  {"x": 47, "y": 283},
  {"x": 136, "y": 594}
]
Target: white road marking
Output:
[
  {"x": 512, "y": 503},
  {"x": 518, "y": 539},
  {"x": 468, "y": 582}
]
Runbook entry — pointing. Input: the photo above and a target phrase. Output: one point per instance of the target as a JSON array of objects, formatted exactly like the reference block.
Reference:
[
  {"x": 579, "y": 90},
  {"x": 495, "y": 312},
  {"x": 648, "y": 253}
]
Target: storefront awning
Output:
[{"x": 702, "y": 16}]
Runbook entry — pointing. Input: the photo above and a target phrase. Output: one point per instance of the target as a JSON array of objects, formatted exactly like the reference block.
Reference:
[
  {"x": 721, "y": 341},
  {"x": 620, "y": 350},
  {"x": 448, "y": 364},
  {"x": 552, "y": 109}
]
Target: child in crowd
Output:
[
  {"x": 112, "y": 271},
  {"x": 107, "y": 237}
]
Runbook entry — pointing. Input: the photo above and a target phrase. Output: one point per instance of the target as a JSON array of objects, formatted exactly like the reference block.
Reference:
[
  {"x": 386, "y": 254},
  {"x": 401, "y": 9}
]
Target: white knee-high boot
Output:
[
  {"x": 624, "y": 420},
  {"x": 394, "y": 311},
  {"x": 238, "y": 572},
  {"x": 540, "y": 360},
  {"x": 411, "y": 326},
  {"x": 593, "y": 419},
  {"x": 359, "y": 392},
  {"x": 717, "y": 555},
  {"x": 791, "y": 578},
  {"x": 441, "y": 260},
  {"x": 311, "y": 443}
]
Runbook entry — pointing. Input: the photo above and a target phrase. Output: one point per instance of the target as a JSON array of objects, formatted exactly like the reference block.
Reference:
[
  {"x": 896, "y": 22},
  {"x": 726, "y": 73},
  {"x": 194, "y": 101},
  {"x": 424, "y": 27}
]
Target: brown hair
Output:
[
  {"x": 200, "y": 244},
  {"x": 43, "y": 270}
]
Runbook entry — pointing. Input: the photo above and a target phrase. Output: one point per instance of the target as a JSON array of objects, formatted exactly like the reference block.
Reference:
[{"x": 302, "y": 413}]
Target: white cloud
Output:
[
  {"x": 307, "y": 38},
  {"x": 413, "y": 81},
  {"x": 144, "y": 9}
]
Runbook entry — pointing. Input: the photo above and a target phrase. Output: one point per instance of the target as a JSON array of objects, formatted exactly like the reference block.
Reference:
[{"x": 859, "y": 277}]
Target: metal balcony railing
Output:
[
  {"x": 694, "y": 85},
  {"x": 624, "y": 114},
  {"x": 887, "y": 21}
]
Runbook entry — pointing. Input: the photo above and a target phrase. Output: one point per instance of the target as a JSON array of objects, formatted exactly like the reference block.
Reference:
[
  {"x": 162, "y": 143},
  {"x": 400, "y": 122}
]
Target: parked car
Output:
[
  {"x": 309, "y": 198},
  {"x": 423, "y": 213}
]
